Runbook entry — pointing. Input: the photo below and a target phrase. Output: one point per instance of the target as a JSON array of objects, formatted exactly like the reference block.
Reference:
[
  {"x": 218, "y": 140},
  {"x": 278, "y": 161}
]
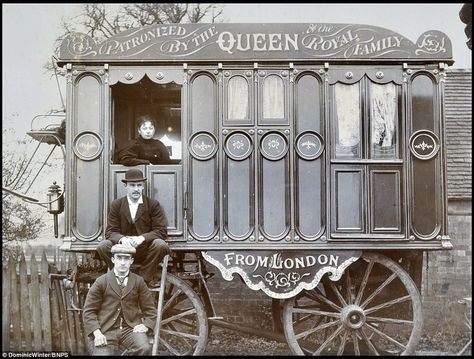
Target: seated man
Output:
[
  {"x": 138, "y": 221},
  {"x": 144, "y": 150},
  {"x": 119, "y": 309}
]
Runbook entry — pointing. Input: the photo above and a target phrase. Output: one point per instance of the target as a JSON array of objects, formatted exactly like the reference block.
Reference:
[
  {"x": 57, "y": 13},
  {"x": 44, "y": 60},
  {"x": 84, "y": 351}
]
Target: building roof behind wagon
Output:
[
  {"x": 458, "y": 105},
  {"x": 256, "y": 42}
]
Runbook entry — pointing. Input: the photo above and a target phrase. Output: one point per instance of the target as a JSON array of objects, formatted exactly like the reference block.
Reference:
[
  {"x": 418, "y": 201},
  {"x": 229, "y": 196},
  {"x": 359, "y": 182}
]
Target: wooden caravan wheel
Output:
[
  {"x": 184, "y": 326},
  {"x": 374, "y": 309}
]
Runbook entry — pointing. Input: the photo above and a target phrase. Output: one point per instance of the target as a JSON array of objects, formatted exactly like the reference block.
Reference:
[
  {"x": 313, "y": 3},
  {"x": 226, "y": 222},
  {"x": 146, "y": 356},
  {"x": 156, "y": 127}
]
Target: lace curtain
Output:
[
  {"x": 273, "y": 97},
  {"x": 237, "y": 99}
]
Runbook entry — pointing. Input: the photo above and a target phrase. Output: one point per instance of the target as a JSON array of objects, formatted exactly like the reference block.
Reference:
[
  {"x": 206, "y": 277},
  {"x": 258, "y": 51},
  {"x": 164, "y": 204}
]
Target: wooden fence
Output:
[{"x": 38, "y": 311}]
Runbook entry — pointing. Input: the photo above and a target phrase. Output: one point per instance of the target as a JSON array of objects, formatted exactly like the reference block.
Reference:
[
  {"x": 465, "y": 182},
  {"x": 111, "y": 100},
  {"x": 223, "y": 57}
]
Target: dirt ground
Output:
[{"x": 227, "y": 342}]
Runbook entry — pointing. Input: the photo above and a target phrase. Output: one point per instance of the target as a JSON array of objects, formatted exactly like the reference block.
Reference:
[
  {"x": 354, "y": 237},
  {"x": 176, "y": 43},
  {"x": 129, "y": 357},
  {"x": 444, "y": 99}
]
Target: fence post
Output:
[
  {"x": 6, "y": 287},
  {"x": 44, "y": 299},
  {"x": 14, "y": 306},
  {"x": 35, "y": 303},
  {"x": 56, "y": 343},
  {"x": 25, "y": 310}
]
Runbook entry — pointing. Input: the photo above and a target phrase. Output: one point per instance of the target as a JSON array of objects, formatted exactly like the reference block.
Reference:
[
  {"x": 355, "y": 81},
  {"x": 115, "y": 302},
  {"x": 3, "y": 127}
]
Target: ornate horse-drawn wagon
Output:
[{"x": 308, "y": 159}]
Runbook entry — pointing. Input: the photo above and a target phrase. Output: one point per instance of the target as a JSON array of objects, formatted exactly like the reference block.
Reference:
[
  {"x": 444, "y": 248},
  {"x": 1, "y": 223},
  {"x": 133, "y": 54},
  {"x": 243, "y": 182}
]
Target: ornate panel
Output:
[
  {"x": 424, "y": 158},
  {"x": 274, "y": 198},
  {"x": 347, "y": 199},
  {"x": 202, "y": 190},
  {"x": 165, "y": 185},
  {"x": 87, "y": 167},
  {"x": 238, "y": 186},
  {"x": 386, "y": 200},
  {"x": 309, "y": 146}
]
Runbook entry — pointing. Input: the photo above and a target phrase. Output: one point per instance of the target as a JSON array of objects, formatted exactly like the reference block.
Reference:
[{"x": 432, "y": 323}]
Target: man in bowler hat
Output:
[
  {"x": 119, "y": 309},
  {"x": 137, "y": 221}
]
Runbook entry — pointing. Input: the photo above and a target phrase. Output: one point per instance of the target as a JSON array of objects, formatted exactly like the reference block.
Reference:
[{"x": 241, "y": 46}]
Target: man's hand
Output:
[
  {"x": 99, "y": 339},
  {"x": 140, "y": 328},
  {"x": 127, "y": 241},
  {"x": 136, "y": 240}
]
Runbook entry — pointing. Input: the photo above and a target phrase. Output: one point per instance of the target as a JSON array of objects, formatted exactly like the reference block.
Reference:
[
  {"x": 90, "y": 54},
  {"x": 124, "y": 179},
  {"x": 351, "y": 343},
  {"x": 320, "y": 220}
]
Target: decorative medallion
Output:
[
  {"x": 309, "y": 145},
  {"x": 282, "y": 274},
  {"x": 273, "y": 146},
  {"x": 424, "y": 144},
  {"x": 87, "y": 146},
  {"x": 203, "y": 146},
  {"x": 238, "y": 146}
]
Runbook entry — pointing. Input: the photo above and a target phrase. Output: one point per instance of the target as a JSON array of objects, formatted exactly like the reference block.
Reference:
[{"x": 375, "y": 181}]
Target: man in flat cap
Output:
[
  {"x": 119, "y": 309},
  {"x": 138, "y": 221}
]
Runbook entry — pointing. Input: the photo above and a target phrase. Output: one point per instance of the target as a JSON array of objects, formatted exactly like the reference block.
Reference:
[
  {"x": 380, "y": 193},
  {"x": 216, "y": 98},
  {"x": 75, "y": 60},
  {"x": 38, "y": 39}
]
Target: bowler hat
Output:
[
  {"x": 123, "y": 249},
  {"x": 134, "y": 175}
]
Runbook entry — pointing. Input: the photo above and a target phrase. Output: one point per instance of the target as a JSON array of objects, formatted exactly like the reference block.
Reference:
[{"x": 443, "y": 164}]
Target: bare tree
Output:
[{"x": 21, "y": 222}]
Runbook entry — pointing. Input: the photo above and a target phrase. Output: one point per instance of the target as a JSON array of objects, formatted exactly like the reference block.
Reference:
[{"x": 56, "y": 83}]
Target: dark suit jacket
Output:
[
  {"x": 150, "y": 221},
  {"x": 103, "y": 303}
]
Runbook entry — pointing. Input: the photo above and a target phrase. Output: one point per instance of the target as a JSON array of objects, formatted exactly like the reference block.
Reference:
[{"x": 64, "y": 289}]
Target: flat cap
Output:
[{"x": 124, "y": 249}]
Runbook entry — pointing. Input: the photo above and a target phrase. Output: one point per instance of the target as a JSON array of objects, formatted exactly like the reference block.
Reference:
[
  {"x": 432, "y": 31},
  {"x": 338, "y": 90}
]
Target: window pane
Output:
[
  {"x": 237, "y": 99},
  {"x": 384, "y": 119},
  {"x": 347, "y": 120},
  {"x": 273, "y": 97}
]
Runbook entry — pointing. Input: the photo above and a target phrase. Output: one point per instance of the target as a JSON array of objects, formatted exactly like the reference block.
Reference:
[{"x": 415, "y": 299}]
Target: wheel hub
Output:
[{"x": 352, "y": 316}]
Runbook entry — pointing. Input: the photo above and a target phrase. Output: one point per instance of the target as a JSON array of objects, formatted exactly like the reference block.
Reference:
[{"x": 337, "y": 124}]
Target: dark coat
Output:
[
  {"x": 143, "y": 152},
  {"x": 104, "y": 303},
  {"x": 150, "y": 221}
]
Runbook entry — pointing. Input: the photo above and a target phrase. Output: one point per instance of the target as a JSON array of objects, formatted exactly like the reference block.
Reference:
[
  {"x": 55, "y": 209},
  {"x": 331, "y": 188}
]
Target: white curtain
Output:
[
  {"x": 273, "y": 97},
  {"x": 237, "y": 99},
  {"x": 348, "y": 114}
]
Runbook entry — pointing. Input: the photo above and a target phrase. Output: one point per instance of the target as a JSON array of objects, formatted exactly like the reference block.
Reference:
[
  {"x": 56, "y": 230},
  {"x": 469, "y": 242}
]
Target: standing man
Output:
[
  {"x": 119, "y": 309},
  {"x": 138, "y": 221}
]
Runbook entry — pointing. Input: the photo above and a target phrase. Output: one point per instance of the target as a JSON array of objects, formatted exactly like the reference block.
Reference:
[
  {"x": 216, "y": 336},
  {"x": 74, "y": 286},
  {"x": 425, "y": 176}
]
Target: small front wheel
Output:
[{"x": 374, "y": 309}]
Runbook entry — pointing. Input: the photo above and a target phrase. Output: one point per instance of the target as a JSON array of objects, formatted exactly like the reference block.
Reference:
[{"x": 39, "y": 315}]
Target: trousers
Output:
[
  {"x": 120, "y": 339},
  {"x": 149, "y": 255}
]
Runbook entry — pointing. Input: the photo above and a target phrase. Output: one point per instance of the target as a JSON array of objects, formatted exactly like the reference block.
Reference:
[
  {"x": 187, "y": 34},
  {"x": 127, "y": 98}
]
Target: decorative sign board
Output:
[
  {"x": 282, "y": 274},
  {"x": 234, "y": 42}
]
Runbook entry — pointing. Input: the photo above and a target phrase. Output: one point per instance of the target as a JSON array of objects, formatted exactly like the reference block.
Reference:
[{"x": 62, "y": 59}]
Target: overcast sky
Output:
[{"x": 29, "y": 31}]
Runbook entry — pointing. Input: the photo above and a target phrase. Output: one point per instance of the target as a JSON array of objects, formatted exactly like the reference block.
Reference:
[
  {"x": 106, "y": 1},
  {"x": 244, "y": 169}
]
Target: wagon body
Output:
[{"x": 299, "y": 147}]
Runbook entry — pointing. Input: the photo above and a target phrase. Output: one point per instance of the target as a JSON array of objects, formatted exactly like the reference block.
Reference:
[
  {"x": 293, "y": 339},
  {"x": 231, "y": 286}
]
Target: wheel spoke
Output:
[
  {"x": 356, "y": 343},
  {"x": 379, "y": 289},
  {"x": 172, "y": 300},
  {"x": 387, "y": 304},
  {"x": 349, "y": 287},
  {"x": 180, "y": 334},
  {"x": 369, "y": 343},
  {"x": 338, "y": 294},
  {"x": 328, "y": 340},
  {"x": 364, "y": 281},
  {"x": 320, "y": 297},
  {"x": 169, "y": 347},
  {"x": 179, "y": 315},
  {"x": 318, "y": 328},
  {"x": 388, "y": 320},
  {"x": 316, "y": 312},
  {"x": 385, "y": 336},
  {"x": 343, "y": 343}
]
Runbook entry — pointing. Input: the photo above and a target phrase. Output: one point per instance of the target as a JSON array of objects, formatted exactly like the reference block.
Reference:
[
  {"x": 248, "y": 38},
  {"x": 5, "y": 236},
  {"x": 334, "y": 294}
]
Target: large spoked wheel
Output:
[
  {"x": 374, "y": 309},
  {"x": 184, "y": 326}
]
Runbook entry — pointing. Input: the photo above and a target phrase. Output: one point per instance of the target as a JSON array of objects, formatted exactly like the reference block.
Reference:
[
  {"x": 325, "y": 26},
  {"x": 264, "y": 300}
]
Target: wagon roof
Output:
[{"x": 226, "y": 42}]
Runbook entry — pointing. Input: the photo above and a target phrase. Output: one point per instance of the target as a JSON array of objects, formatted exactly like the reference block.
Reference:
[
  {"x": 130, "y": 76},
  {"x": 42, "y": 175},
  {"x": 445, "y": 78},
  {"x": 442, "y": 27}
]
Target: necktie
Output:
[{"x": 121, "y": 280}]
